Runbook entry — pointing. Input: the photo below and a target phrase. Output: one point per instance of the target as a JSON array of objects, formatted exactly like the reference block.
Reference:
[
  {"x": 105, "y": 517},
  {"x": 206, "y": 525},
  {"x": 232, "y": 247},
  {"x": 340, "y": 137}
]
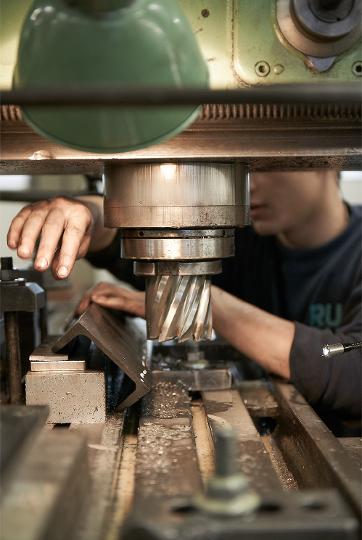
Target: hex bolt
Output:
[
  {"x": 225, "y": 453},
  {"x": 227, "y": 492}
]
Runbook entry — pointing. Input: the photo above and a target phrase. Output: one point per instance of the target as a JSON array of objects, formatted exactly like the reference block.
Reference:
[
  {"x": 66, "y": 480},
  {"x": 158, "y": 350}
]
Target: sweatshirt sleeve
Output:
[{"x": 331, "y": 383}]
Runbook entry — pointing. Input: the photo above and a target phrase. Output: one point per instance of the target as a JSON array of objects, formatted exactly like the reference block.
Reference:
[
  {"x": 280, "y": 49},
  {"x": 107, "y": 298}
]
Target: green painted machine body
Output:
[
  {"x": 235, "y": 36},
  {"x": 140, "y": 43},
  {"x": 149, "y": 43}
]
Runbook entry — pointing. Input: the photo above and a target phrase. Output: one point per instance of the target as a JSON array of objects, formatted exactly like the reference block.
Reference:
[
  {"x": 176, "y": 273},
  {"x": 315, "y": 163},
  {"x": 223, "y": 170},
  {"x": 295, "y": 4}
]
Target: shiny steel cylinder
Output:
[
  {"x": 183, "y": 245},
  {"x": 176, "y": 195}
]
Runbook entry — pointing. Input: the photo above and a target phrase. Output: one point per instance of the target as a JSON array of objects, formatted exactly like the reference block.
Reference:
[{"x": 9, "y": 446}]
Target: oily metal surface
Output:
[
  {"x": 18, "y": 427},
  {"x": 48, "y": 492},
  {"x": 167, "y": 480},
  {"x": 312, "y": 453},
  {"x": 105, "y": 447},
  {"x": 287, "y": 516},
  {"x": 166, "y": 460},
  {"x": 118, "y": 338},
  {"x": 196, "y": 380},
  {"x": 178, "y": 307},
  {"x": 353, "y": 445},
  {"x": 57, "y": 365},
  {"x": 258, "y": 399}
]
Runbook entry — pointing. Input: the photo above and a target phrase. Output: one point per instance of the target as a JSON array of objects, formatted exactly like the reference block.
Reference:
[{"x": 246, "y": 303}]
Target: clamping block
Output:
[{"x": 72, "y": 396}]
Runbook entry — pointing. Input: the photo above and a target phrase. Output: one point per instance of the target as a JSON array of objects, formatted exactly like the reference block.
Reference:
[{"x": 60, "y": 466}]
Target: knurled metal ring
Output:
[{"x": 175, "y": 268}]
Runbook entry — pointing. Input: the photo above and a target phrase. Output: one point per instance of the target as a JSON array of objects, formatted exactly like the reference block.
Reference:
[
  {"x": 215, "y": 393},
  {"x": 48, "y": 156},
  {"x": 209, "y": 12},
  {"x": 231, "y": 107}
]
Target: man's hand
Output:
[
  {"x": 113, "y": 296},
  {"x": 63, "y": 227}
]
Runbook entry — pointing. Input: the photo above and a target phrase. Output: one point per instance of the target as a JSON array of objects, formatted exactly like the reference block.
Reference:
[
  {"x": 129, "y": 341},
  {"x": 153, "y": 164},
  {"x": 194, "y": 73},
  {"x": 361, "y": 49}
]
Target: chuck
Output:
[{"x": 177, "y": 222}]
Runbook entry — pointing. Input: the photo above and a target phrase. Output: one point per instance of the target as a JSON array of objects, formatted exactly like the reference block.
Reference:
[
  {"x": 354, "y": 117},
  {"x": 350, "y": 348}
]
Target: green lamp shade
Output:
[{"x": 139, "y": 43}]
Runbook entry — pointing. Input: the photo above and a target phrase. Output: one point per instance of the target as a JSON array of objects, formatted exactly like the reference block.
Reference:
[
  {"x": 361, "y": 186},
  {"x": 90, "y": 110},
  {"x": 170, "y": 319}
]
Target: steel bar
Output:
[
  {"x": 57, "y": 365},
  {"x": 18, "y": 427},
  {"x": 262, "y": 146},
  {"x": 353, "y": 445},
  {"x": 105, "y": 449},
  {"x": 48, "y": 491},
  {"x": 196, "y": 380},
  {"x": 259, "y": 399},
  {"x": 157, "y": 97},
  {"x": 166, "y": 460},
  {"x": 121, "y": 340},
  {"x": 315, "y": 457},
  {"x": 225, "y": 408}
]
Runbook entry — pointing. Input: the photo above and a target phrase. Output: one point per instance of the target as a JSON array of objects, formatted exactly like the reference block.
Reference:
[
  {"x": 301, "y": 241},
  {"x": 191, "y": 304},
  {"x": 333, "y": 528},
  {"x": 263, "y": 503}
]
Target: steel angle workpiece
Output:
[{"x": 121, "y": 340}]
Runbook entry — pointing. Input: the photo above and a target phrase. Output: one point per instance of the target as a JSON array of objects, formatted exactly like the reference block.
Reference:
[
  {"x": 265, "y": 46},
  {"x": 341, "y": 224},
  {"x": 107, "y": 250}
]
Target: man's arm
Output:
[
  {"x": 65, "y": 228},
  {"x": 333, "y": 383},
  {"x": 263, "y": 337},
  {"x": 294, "y": 350}
]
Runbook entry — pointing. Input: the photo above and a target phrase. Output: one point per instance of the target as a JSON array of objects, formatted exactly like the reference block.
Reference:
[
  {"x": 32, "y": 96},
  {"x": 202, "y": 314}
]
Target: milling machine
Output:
[{"x": 118, "y": 440}]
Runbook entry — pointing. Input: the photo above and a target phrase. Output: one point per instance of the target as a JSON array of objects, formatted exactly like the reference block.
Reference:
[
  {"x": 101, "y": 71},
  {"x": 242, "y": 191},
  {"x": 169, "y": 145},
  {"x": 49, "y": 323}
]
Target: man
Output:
[{"x": 293, "y": 286}]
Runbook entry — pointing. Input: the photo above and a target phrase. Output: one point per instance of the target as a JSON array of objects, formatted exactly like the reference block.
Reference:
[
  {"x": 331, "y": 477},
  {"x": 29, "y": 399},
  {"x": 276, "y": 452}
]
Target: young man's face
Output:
[{"x": 280, "y": 201}]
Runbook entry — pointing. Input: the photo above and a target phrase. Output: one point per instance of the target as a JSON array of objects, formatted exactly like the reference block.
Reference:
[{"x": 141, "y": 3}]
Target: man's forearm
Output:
[
  {"x": 265, "y": 338},
  {"x": 102, "y": 237}
]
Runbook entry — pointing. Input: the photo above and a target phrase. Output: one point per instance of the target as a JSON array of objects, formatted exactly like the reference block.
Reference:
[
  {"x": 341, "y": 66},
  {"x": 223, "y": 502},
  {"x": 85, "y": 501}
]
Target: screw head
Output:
[
  {"x": 357, "y": 69},
  {"x": 262, "y": 68}
]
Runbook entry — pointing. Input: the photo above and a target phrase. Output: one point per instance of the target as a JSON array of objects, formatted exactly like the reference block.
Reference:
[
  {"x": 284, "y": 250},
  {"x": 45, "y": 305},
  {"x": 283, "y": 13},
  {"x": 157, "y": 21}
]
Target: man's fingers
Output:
[
  {"x": 72, "y": 239},
  {"x": 51, "y": 234},
  {"x": 83, "y": 304},
  {"x": 16, "y": 227},
  {"x": 134, "y": 303},
  {"x": 86, "y": 299},
  {"x": 30, "y": 233},
  {"x": 113, "y": 302},
  {"x": 113, "y": 296},
  {"x": 84, "y": 246}
]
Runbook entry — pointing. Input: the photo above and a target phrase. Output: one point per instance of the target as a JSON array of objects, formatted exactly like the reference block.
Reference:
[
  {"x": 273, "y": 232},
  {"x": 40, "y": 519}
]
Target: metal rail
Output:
[{"x": 75, "y": 96}]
